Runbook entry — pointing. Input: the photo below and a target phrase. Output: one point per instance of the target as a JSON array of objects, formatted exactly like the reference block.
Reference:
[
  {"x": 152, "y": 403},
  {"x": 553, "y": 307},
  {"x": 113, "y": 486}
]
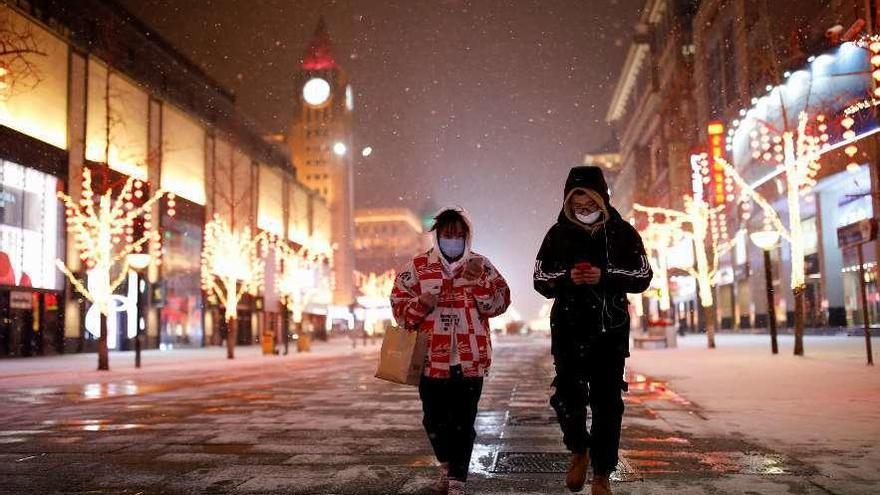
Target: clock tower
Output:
[{"x": 320, "y": 141}]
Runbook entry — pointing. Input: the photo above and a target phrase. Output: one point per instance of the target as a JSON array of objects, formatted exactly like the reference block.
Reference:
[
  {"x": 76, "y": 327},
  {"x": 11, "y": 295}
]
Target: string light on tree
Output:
[
  {"x": 658, "y": 241},
  {"x": 872, "y": 43},
  {"x": 705, "y": 226},
  {"x": 232, "y": 265},
  {"x": 297, "y": 277},
  {"x": 376, "y": 290},
  {"x": 103, "y": 230},
  {"x": 798, "y": 162}
]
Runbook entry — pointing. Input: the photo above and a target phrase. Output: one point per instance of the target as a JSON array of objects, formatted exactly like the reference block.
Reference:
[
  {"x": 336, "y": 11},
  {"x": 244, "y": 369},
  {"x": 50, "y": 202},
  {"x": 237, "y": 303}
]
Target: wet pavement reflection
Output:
[{"x": 330, "y": 427}]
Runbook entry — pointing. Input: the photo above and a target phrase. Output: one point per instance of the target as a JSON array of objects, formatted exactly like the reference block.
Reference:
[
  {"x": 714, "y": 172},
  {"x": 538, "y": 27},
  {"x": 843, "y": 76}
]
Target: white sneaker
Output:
[
  {"x": 444, "y": 477},
  {"x": 456, "y": 487}
]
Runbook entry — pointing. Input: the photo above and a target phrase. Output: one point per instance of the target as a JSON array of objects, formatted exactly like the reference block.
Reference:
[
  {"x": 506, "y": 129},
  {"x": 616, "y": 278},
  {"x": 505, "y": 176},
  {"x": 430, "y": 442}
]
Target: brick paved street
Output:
[{"x": 324, "y": 425}]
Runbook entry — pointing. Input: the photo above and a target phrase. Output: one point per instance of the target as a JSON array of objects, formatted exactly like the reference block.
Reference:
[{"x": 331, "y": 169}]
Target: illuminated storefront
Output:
[
  {"x": 144, "y": 119},
  {"x": 30, "y": 241},
  {"x": 181, "y": 312},
  {"x": 842, "y": 195}
]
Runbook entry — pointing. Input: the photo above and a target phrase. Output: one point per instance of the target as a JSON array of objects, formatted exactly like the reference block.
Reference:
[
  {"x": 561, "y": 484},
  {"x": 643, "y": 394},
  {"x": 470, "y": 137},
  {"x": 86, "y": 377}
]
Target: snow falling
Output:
[{"x": 482, "y": 104}]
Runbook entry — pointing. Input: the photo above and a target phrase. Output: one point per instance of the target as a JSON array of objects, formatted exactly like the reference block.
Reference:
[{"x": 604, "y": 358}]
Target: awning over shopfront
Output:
[{"x": 827, "y": 85}]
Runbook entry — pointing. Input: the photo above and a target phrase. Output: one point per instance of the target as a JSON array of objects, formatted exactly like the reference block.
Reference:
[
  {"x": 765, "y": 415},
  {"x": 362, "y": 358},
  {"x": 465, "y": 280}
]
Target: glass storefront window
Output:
[
  {"x": 181, "y": 316},
  {"x": 29, "y": 227},
  {"x": 270, "y": 215},
  {"x": 128, "y": 107},
  {"x": 183, "y": 155},
  {"x": 33, "y": 100},
  {"x": 854, "y": 208},
  {"x": 233, "y": 185},
  {"x": 851, "y": 294},
  {"x": 298, "y": 219}
]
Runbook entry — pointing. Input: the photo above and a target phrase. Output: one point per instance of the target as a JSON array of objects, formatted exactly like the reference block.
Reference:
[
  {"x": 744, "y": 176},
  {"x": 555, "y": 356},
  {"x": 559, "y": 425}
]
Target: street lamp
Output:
[
  {"x": 767, "y": 240},
  {"x": 339, "y": 148},
  {"x": 138, "y": 262},
  {"x": 367, "y": 151}
]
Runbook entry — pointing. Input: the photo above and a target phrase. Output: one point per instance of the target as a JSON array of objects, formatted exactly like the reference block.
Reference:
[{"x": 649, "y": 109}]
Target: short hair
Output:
[{"x": 449, "y": 217}]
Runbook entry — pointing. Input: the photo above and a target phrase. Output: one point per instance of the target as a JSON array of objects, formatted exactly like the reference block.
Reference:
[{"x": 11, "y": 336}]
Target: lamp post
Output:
[
  {"x": 767, "y": 240},
  {"x": 138, "y": 262}
]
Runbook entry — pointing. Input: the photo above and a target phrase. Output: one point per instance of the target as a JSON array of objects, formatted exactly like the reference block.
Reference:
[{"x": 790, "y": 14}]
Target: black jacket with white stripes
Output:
[{"x": 591, "y": 314}]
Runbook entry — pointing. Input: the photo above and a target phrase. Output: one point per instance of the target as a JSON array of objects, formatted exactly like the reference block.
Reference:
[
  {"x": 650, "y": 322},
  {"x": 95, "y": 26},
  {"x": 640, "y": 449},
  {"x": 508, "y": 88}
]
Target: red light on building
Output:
[{"x": 716, "y": 170}]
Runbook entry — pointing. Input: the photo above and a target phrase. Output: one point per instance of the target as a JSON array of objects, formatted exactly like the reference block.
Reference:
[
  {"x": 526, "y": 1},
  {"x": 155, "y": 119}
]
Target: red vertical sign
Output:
[{"x": 715, "y": 193}]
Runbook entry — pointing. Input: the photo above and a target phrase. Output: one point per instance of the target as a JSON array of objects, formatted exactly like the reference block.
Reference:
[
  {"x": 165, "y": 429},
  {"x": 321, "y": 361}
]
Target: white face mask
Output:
[
  {"x": 589, "y": 218},
  {"x": 451, "y": 247}
]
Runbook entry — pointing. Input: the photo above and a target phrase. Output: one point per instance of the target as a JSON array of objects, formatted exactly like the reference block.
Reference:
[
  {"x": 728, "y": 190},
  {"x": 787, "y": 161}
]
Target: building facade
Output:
[
  {"x": 745, "y": 50},
  {"x": 651, "y": 107},
  {"x": 387, "y": 239},
  {"x": 651, "y": 111},
  {"x": 96, "y": 89},
  {"x": 754, "y": 68}
]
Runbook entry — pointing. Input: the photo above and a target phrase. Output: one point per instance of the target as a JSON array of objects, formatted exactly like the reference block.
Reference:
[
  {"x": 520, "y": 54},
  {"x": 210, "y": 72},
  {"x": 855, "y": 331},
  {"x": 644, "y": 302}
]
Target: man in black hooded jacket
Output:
[{"x": 589, "y": 260}]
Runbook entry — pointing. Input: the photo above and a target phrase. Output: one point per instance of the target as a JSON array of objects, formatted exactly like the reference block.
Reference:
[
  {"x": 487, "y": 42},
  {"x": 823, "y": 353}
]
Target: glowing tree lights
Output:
[
  {"x": 705, "y": 226},
  {"x": 376, "y": 290},
  {"x": 795, "y": 153},
  {"x": 696, "y": 223},
  {"x": 298, "y": 276},
  {"x": 658, "y": 241},
  {"x": 104, "y": 230},
  {"x": 232, "y": 266}
]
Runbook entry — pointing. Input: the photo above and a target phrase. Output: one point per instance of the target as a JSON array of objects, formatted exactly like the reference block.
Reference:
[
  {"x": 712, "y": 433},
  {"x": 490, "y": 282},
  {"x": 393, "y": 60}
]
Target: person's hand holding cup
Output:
[{"x": 473, "y": 270}]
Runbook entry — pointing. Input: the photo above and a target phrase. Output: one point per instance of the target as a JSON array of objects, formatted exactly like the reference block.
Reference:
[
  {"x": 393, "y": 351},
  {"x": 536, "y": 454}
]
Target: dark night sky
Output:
[{"x": 481, "y": 103}]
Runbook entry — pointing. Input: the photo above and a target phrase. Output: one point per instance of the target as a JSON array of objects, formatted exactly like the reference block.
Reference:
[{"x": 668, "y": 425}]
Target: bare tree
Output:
[{"x": 19, "y": 48}]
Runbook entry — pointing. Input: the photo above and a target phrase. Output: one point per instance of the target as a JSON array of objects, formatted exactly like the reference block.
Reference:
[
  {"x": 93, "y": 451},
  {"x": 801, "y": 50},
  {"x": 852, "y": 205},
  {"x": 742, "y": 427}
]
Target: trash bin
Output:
[
  {"x": 268, "y": 342},
  {"x": 304, "y": 342}
]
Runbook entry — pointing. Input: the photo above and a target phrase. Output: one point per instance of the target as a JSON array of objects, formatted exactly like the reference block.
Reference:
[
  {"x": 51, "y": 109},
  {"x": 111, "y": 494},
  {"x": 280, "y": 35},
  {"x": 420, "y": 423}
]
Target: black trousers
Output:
[
  {"x": 590, "y": 378},
  {"x": 450, "y": 409}
]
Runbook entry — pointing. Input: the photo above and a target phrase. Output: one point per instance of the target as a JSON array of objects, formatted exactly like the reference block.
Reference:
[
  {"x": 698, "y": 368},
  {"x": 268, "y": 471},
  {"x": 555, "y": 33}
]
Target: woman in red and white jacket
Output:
[{"x": 450, "y": 293}]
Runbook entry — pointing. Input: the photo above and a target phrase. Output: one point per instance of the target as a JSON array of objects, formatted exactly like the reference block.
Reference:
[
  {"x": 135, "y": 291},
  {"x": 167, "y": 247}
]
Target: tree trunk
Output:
[
  {"x": 709, "y": 321},
  {"x": 231, "y": 335},
  {"x": 799, "y": 321},
  {"x": 771, "y": 303},
  {"x": 285, "y": 328},
  {"x": 103, "y": 355}
]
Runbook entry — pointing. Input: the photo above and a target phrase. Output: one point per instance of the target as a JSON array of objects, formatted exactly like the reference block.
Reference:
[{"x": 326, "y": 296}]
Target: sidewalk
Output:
[
  {"x": 76, "y": 368},
  {"x": 821, "y": 408},
  {"x": 697, "y": 422}
]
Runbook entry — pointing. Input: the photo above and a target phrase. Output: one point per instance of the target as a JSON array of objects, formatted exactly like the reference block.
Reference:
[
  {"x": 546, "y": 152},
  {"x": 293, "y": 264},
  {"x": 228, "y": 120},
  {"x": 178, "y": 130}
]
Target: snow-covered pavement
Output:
[
  {"x": 733, "y": 420},
  {"x": 81, "y": 368},
  {"x": 823, "y": 408}
]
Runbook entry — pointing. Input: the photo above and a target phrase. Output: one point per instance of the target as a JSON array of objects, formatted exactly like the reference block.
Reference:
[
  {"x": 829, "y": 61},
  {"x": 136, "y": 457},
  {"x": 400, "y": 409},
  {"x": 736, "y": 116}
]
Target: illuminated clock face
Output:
[
  {"x": 316, "y": 91},
  {"x": 349, "y": 98}
]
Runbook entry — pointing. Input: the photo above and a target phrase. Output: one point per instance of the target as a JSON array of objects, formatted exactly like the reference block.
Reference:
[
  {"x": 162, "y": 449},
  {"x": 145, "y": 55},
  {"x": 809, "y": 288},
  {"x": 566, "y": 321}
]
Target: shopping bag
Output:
[{"x": 402, "y": 358}]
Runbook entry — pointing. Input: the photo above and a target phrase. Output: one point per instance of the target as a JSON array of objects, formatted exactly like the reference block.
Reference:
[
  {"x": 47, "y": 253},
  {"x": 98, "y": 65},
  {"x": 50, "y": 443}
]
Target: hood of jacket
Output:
[
  {"x": 591, "y": 180},
  {"x": 435, "y": 238}
]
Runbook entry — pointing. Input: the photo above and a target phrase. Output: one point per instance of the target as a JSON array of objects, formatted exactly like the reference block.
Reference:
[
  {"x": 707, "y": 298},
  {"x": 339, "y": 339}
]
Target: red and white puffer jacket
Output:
[{"x": 463, "y": 308}]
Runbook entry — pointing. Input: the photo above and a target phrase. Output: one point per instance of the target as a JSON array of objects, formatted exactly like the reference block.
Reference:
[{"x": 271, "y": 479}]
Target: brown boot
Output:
[
  {"x": 601, "y": 485},
  {"x": 577, "y": 471}
]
